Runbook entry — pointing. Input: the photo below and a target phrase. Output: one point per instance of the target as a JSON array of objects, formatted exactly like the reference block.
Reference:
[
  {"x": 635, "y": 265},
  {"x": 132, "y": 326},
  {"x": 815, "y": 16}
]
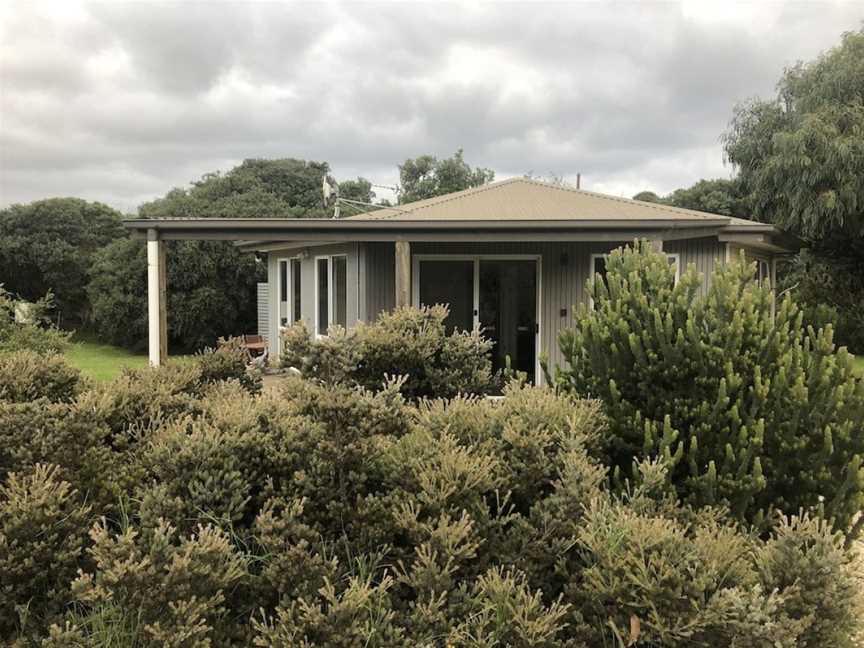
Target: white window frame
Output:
[
  {"x": 477, "y": 258},
  {"x": 289, "y": 291},
  {"x": 331, "y": 294},
  {"x": 605, "y": 255}
]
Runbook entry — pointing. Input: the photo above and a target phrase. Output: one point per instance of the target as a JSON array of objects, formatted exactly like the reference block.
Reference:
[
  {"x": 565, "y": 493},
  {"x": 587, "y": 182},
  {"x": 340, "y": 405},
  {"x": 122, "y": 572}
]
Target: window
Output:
[
  {"x": 331, "y": 281},
  {"x": 339, "y": 311},
  {"x": 763, "y": 270},
  {"x": 598, "y": 265},
  {"x": 322, "y": 272},
  {"x": 289, "y": 291},
  {"x": 295, "y": 290}
]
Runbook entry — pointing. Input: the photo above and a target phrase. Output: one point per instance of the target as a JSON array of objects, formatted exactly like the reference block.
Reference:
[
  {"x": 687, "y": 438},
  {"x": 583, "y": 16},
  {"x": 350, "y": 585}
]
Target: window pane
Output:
[
  {"x": 323, "y": 295},
  {"x": 508, "y": 312},
  {"x": 600, "y": 266},
  {"x": 450, "y": 283},
  {"x": 283, "y": 292},
  {"x": 340, "y": 291},
  {"x": 295, "y": 290},
  {"x": 673, "y": 261}
]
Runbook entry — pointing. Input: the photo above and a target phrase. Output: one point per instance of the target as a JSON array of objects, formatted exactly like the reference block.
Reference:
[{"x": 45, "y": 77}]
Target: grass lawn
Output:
[
  {"x": 859, "y": 364},
  {"x": 102, "y": 361}
]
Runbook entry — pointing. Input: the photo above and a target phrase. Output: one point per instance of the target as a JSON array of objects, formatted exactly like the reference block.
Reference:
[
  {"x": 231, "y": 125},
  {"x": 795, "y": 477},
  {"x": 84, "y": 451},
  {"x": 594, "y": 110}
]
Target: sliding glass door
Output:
[
  {"x": 449, "y": 282},
  {"x": 497, "y": 294},
  {"x": 508, "y": 312}
]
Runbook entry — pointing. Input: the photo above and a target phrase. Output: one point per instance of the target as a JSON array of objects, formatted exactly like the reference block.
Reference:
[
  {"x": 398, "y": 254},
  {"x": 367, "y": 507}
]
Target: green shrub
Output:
[
  {"x": 408, "y": 342},
  {"x": 805, "y": 562},
  {"x": 37, "y": 334},
  {"x": 27, "y": 376},
  {"x": 228, "y": 361},
  {"x": 43, "y": 529},
  {"x": 335, "y": 515},
  {"x": 754, "y": 411},
  {"x": 74, "y": 439},
  {"x": 139, "y": 401},
  {"x": 165, "y": 589}
]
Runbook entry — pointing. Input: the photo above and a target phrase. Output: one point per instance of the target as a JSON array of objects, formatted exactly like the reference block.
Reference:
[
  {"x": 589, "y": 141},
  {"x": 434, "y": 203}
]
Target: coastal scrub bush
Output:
[
  {"x": 27, "y": 376},
  {"x": 334, "y": 515},
  {"x": 43, "y": 529},
  {"x": 409, "y": 342},
  {"x": 26, "y": 326},
  {"x": 752, "y": 409}
]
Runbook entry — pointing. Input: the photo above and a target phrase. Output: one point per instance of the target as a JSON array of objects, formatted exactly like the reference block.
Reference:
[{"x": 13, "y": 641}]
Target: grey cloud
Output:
[{"x": 124, "y": 101}]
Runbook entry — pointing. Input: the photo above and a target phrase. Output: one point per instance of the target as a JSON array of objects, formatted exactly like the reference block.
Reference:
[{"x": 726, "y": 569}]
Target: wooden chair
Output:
[{"x": 255, "y": 344}]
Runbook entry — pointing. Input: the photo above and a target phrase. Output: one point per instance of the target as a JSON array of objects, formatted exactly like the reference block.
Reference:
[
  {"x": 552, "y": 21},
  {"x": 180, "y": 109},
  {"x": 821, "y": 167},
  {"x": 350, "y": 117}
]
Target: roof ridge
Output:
[
  {"x": 437, "y": 200},
  {"x": 643, "y": 203},
  {"x": 415, "y": 208}
]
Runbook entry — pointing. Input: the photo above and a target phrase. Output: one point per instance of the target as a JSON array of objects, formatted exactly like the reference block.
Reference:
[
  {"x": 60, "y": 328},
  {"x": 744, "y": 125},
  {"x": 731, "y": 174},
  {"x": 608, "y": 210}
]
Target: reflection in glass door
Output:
[
  {"x": 497, "y": 294},
  {"x": 508, "y": 312},
  {"x": 449, "y": 282}
]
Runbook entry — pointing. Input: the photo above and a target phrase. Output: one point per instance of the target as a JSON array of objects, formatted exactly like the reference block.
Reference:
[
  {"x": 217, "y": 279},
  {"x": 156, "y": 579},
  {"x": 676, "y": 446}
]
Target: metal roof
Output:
[
  {"x": 515, "y": 209},
  {"x": 524, "y": 199}
]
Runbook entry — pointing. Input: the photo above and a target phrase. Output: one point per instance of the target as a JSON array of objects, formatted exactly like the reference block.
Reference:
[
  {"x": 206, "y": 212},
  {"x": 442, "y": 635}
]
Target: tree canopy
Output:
[
  {"x": 718, "y": 196},
  {"x": 211, "y": 285},
  {"x": 281, "y": 188},
  {"x": 427, "y": 176},
  {"x": 800, "y": 155},
  {"x": 48, "y": 245}
]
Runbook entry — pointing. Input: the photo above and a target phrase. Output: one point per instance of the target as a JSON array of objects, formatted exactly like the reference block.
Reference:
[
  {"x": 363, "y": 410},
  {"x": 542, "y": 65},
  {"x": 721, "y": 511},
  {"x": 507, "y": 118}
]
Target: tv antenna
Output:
[{"x": 331, "y": 192}]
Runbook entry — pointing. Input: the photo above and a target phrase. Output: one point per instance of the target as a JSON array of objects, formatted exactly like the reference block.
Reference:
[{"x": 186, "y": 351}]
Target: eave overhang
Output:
[
  {"x": 263, "y": 233},
  {"x": 316, "y": 229}
]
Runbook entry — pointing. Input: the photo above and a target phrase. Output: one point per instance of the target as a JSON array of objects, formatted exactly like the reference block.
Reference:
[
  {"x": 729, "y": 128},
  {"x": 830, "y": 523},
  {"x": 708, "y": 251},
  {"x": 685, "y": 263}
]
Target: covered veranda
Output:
[{"x": 268, "y": 234}]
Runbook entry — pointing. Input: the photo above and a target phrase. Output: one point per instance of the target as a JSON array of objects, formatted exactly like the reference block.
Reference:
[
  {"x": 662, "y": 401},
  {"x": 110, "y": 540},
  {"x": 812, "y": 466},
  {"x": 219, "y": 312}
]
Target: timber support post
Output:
[
  {"x": 403, "y": 274},
  {"x": 157, "y": 297}
]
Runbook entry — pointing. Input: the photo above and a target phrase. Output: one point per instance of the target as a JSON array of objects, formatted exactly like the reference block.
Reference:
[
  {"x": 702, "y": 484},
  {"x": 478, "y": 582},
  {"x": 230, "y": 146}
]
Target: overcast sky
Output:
[{"x": 120, "y": 102}]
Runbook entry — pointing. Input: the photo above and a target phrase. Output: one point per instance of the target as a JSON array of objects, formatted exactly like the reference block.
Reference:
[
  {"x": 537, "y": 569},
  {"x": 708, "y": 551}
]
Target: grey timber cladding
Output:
[
  {"x": 263, "y": 309},
  {"x": 565, "y": 268},
  {"x": 703, "y": 253},
  {"x": 380, "y": 278}
]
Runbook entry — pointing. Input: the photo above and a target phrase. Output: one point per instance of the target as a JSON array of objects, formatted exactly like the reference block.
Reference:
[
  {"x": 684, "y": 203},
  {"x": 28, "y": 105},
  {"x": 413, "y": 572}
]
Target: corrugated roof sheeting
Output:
[{"x": 527, "y": 200}]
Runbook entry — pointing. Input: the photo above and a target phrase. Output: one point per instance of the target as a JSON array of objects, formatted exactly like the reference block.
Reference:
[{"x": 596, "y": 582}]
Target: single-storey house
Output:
[{"x": 512, "y": 257}]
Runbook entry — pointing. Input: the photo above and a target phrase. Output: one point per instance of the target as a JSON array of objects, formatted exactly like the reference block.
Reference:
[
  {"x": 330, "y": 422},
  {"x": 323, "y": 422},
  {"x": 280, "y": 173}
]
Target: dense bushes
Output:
[
  {"x": 48, "y": 246},
  {"x": 333, "y": 515},
  {"x": 26, "y": 376},
  {"x": 212, "y": 293},
  {"x": 751, "y": 409},
  {"x": 408, "y": 342},
  {"x": 36, "y": 333}
]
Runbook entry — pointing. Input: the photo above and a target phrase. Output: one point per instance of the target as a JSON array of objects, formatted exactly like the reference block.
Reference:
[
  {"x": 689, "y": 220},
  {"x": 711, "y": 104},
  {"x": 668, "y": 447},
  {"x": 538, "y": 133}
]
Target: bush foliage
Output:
[
  {"x": 750, "y": 408},
  {"x": 409, "y": 342},
  {"x": 27, "y": 376},
  {"x": 35, "y": 333},
  {"x": 169, "y": 509}
]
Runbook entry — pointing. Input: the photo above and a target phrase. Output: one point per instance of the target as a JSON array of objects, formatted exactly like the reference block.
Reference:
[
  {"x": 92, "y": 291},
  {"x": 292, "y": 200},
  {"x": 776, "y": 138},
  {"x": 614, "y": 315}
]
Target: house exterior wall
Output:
[
  {"x": 352, "y": 252},
  {"x": 565, "y": 267},
  {"x": 380, "y": 278},
  {"x": 704, "y": 253}
]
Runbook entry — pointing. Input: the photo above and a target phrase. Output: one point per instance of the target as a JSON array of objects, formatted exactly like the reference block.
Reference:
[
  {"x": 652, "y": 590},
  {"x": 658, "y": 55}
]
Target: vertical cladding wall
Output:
[
  {"x": 703, "y": 253},
  {"x": 263, "y": 310},
  {"x": 380, "y": 279},
  {"x": 565, "y": 267}
]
